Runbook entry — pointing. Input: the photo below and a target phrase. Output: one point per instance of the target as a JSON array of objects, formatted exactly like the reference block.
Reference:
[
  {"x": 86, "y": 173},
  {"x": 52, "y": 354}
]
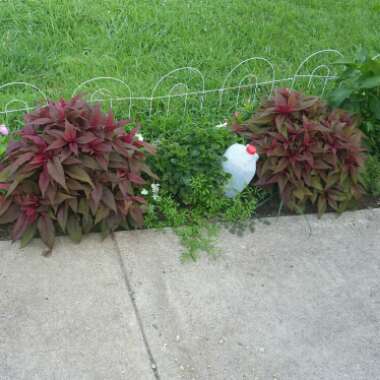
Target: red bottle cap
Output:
[{"x": 251, "y": 149}]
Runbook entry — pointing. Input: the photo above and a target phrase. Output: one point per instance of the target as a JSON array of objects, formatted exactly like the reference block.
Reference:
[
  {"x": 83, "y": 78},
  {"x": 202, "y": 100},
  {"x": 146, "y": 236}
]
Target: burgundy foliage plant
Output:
[
  {"x": 313, "y": 154},
  {"x": 73, "y": 168}
]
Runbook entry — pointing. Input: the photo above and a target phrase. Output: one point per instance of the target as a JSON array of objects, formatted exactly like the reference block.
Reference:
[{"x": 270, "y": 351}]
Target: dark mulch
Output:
[
  {"x": 4, "y": 232},
  {"x": 270, "y": 207}
]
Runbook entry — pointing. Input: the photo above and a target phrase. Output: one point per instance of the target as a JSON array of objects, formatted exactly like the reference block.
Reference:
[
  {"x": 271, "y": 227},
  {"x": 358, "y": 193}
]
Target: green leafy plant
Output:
[
  {"x": 371, "y": 176},
  {"x": 192, "y": 180},
  {"x": 196, "y": 229},
  {"x": 190, "y": 159},
  {"x": 358, "y": 90},
  {"x": 311, "y": 153},
  {"x": 73, "y": 168}
]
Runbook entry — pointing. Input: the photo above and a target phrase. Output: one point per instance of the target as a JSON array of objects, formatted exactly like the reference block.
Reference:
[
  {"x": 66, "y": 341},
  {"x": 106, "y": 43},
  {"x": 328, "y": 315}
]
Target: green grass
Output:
[{"x": 58, "y": 44}]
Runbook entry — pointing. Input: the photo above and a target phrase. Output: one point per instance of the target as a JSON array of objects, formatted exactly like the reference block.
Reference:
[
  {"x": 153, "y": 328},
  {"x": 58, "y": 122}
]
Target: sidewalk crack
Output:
[{"x": 128, "y": 285}]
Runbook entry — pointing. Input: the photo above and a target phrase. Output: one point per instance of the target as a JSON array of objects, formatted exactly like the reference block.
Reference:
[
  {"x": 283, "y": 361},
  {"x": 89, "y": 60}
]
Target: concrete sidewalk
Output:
[{"x": 298, "y": 299}]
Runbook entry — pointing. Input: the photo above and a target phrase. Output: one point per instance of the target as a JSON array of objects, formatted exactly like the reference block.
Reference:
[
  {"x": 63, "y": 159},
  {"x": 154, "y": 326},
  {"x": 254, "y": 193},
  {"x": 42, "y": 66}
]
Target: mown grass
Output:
[{"x": 58, "y": 44}]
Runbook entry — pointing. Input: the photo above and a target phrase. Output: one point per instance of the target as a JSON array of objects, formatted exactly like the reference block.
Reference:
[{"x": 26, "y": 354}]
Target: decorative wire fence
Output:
[{"x": 185, "y": 88}]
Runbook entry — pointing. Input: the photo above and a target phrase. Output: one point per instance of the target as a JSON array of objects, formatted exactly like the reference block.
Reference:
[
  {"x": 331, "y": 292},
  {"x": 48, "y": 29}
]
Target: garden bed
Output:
[
  {"x": 73, "y": 168},
  {"x": 269, "y": 208}
]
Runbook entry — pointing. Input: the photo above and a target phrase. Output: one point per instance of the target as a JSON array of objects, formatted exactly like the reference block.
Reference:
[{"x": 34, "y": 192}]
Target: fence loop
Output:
[
  {"x": 235, "y": 68},
  {"x": 309, "y": 58},
  {"x": 27, "y": 106},
  {"x": 188, "y": 69},
  {"x": 105, "y": 91}
]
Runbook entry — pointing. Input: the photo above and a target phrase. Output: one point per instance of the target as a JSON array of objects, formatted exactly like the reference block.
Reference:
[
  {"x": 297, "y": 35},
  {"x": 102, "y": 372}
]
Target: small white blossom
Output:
[
  {"x": 4, "y": 130},
  {"x": 139, "y": 137},
  {"x": 223, "y": 125},
  {"x": 155, "y": 190},
  {"x": 144, "y": 192}
]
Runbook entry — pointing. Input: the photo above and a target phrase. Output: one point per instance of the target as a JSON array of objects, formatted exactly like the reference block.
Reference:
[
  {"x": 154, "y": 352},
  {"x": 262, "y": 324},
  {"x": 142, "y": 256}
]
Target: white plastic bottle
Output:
[{"x": 241, "y": 164}]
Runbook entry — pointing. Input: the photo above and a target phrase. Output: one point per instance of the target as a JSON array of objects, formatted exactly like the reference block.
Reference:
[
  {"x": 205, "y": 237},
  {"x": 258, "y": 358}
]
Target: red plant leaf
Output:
[
  {"x": 96, "y": 195},
  {"x": 87, "y": 223},
  {"x": 28, "y": 235},
  {"x": 73, "y": 203},
  {"x": 26, "y": 157},
  {"x": 74, "y": 229},
  {"x": 4, "y": 204},
  {"x": 122, "y": 123},
  {"x": 70, "y": 134},
  {"x": 103, "y": 162},
  {"x": 78, "y": 173},
  {"x": 139, "y": 199},
  {"x": 57, "y": 144},
  {"x": 83, "y": 207},
  {"x": 74, "y": 148},
  {"x": 281, "y": 165},
  {"x": 136, "y": 215},
  {"x": 39, "y": 141},
  {"x": 125, "y": 187},
  {"x": 41, "y": 121},
  {"x": 62, "y": 215},
  {"x": 46, "y": 230},
  {"x": 51, "y": 192},
  {"x": 108, "y": 199},
  {"x": 89, "y": 162},
  {"x": 110, "y": 125},
  {"x": 71, "y": 161},
  {"x": 43, "y": 181},
  {"x": 19, "y": 227},
  {"x": 87, "y": 138},
  {"x": 61, "y": 197},
  {"x": 56, "y": 171},
  {"x": 10, "y": 215},
  {"x": 151, "y": 149},
  {"x": 101, "y": 213},
  {"x": 96, "y": 116},
  {"x": 17, "y": 179},
  {"x": 322, "y": 205},
  {"x": 136, "y": 179}
]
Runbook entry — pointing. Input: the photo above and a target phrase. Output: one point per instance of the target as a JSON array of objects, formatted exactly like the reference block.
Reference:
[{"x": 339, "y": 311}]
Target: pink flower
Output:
[{"x": 4, "y": 130}]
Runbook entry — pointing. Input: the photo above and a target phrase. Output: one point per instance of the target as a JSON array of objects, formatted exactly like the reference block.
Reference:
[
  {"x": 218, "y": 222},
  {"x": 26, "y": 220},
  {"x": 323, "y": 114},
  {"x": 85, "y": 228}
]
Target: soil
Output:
[{"x": 271, "y": 207}]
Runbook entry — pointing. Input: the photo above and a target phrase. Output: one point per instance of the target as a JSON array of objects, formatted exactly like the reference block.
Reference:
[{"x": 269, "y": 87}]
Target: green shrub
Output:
[
  {"x": 197, "y": 228},
  {"x": 358, "y": 90},
  {"x": 311, "y": 153},
  {"x": 371, "y": 176},
  {"x": 189, "y": 164}
]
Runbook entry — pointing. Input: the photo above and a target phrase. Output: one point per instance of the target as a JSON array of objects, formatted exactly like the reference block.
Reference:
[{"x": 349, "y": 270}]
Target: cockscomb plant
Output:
[
  {"x": 313, "y": 154},
  {"x": 73, "y": 168}
]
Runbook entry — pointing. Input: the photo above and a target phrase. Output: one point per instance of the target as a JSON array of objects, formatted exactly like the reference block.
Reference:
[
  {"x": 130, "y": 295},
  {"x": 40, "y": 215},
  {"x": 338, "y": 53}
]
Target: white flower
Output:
[
  {"x": 144, "y": 192},
  {"x": 139, "y": 137},
  {"x": 155, "y": 190},
  {"x": 4, "y": 130},
  {"x": 223, "y": 125}
]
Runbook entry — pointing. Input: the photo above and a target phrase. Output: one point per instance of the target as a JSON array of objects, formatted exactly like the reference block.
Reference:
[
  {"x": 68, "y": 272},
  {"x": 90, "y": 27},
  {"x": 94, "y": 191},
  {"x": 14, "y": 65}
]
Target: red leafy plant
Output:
[
  {"x": 312, "y": 153},
  {"x": 73, "y": 168}
]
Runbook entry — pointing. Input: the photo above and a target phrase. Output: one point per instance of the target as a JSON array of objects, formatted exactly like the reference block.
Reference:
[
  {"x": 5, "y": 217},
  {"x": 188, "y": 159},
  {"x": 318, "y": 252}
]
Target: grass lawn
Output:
[{"x": 58, "y": 44}]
